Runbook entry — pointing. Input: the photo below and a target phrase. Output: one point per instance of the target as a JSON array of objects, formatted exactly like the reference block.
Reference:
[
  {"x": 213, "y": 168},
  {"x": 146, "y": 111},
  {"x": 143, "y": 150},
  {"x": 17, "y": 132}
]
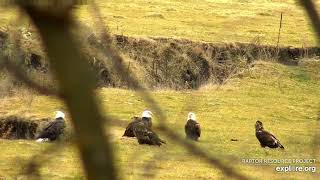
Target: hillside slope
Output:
[
  {"x": 208, "y": 20},
  {"x": 200, "y": 20}
]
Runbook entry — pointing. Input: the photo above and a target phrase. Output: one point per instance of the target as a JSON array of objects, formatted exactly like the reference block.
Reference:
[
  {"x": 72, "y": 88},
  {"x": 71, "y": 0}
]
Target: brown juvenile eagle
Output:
[
  {"x": 265, "y": 138},
  {"x": 146, "y": 118},
  {"x": 192, "y": 127},
  {"x": 54, "y": 129}
]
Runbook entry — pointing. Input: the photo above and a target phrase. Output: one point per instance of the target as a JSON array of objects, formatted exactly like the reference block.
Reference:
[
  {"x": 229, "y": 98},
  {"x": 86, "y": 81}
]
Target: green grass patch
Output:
[
  {"x": 204, "y": 20},
  {"x": 284, "y": 98}
]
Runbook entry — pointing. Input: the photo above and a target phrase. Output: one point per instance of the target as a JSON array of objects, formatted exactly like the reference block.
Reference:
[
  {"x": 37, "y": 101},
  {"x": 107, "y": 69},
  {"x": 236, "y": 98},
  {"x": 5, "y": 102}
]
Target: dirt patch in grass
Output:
[{"x": 13, "y": 127}]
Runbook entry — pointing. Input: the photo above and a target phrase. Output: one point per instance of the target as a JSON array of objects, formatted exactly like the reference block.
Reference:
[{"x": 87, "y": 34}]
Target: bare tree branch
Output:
[
  {"x": 21, "y": 76},
  {"x": 117, "y": 61},
  {"x": 311, "y": 10},
  {"x": 70, "y": 78},
  {"x": 192, "y": 148},
  {"x": 33, "y": 164},
  {"x": 77, "y": 84}
]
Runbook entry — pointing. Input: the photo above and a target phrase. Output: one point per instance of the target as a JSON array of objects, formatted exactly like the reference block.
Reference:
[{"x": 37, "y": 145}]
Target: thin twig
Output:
[
  {"x": 117, "y": 61},
  {"x": 192, "y": 148}
]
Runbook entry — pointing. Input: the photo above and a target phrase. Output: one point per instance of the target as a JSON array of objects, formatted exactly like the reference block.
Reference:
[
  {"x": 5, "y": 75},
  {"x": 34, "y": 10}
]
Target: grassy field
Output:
[
  {"x": 284, "y": 98},
  {"x": 202, "y": 20}
]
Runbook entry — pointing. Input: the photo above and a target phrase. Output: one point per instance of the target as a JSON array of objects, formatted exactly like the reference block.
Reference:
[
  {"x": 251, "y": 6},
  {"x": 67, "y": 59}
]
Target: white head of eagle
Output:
[
  {"x": 146, "y": 114},
  {"x": 192, "y": 116},
  {"x": 60, "y": 114}
]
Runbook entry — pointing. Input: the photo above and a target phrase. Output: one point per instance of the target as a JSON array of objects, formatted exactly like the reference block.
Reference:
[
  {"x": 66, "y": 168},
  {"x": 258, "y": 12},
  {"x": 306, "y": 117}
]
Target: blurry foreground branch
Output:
[
  {"x": 77, "y": 84},
  {"x": 132, "y": 82},
  {"x": 311, "y": 10}
]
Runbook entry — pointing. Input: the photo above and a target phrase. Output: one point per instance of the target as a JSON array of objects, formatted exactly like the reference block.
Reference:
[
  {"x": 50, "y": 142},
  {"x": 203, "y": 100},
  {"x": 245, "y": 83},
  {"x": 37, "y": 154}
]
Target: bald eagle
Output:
[
  {"x": 146, "y": 118},
  {"x": 265, "y": 138},
  {"x": 192, "y": 127},
  {"x": 145, "y": 135},
  {"x": 54, "y": 129}
]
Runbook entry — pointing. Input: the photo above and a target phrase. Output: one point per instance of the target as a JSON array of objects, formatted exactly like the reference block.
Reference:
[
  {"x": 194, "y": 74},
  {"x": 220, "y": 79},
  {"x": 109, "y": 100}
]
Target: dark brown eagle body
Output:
[
  {"x": 265, "y": 138},
  {"x": 145, "y": 135},
  {"x": 129, "y": 130},
  {"x": 192, "y": 130}
]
